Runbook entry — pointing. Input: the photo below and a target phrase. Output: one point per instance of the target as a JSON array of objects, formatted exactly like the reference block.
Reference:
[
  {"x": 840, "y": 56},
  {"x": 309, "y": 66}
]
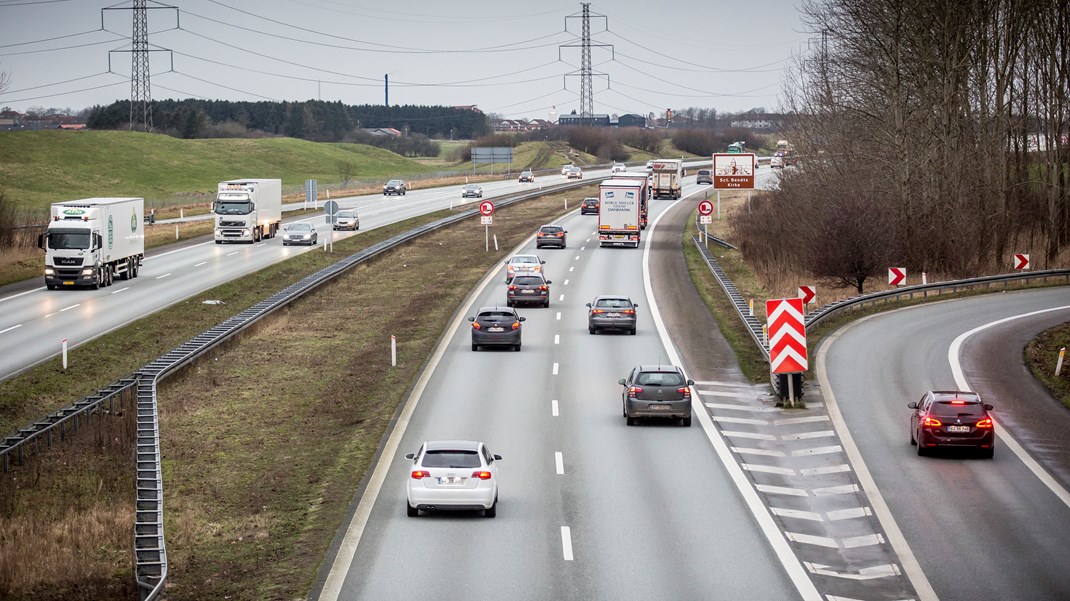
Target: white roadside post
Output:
[
  {"x": 393, "y": 350},
  {"x": 1058, "y": 364},
  {"x": 65, "y": 356}
]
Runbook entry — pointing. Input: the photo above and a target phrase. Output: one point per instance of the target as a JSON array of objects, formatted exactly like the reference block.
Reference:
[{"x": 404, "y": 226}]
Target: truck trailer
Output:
[
  {"x": 619, "y": 213},
  {"x": 642, "y": 180},
  {"x": 92, "y": 241},
  {"x": 247, "y": 210},
  {"x": 667, "y": 175}
]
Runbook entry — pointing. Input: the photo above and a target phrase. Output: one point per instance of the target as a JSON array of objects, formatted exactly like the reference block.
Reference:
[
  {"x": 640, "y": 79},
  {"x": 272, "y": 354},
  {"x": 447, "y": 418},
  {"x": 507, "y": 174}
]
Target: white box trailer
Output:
[
  {"x": 667, "y": 175},
  {"x": 619, "y": 212},
  {"x": 92, "y": 241},
  {"x": 247, "y": 210}
]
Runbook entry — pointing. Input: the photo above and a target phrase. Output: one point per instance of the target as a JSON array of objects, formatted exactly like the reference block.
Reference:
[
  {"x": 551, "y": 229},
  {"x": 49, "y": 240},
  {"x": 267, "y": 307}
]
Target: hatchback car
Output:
[
  {"x": 589, "y": 206},
  {"x": 452, "y": 475},
  {"x": 611, "y": 312},
  {"x": 574, "y": 173},
  {"x": 705, "y": 176},
  {"x": 551, "y": 235},
  {"x": 394, "y": 186},
  {"x": 527, "y": 176},
  {"x": 496, "y": 326},
  {"x": 531, "y": 288},
  {"x": 522, "y": 264},
  {"x": 299, "y": 233},
  {"x": 953, "y": 418},
  {"x": 346, "y": 220},
  {"x": 660, "y": 391},
  {"x": 472, "y": 191},
  {"x": 619, "y": 168}
]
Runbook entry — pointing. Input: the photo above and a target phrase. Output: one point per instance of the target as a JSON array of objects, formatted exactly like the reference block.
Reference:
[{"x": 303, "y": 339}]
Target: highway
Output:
[
  {"x": 34, "y": 322},
  {"x": 589, "y": 508}
]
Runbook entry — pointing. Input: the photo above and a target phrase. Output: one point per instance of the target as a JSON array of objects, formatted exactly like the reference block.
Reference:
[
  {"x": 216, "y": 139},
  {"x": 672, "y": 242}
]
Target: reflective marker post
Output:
[
  {"x": 65, "y": 356},
  {"x": 1058, "y": 365},
  {"x": 393, "y": 350}
]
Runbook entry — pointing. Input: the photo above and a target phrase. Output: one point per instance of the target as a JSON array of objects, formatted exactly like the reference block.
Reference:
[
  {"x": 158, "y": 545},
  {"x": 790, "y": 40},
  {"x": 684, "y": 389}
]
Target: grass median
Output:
[{"x": 264, "y": 441}]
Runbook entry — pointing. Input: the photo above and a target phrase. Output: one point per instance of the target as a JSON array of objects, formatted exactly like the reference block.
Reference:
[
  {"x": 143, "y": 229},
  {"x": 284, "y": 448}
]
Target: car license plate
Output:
[
  {"x": 68, "y": 283},
  {"x": 451, "y": 481},
  {"x": 659, "y": 406},
  {"x": 527, "y": 292},
  {"x": 958, "y": 428},
  {"x": 613, "y": 315},
  {"x": 496, "y": 329}
]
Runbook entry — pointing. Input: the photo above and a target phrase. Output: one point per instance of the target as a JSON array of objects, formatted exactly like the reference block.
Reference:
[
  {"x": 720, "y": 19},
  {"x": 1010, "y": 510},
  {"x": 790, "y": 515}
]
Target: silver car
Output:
[
  {"x": 346, "y": 220},
  {"x": 659, "y": 391},
  {"x": 472, "y": 191},
  {"x": 522, "y": 264},
  {"x": 611, "y": 312},
  {"x": 705, "y": 176},
  {"x": 452, "y": 474},
  {"x": 301, "y": 232}
]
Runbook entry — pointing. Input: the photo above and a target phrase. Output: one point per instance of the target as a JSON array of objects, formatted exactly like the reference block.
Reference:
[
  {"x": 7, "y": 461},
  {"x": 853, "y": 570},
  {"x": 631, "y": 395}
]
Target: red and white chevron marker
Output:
[
  {"x": 807, "y": 294},
  {"x": 1021, "y": 261},
  {"x": 897, "y": 276},
  {"x": 787, "y": 336}
]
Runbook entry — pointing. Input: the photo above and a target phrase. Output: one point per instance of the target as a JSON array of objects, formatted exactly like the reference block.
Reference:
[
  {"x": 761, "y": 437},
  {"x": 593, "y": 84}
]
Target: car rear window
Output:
[
  {"x": 527, "y": 280},
  {"x": 614, "y": 303},
  {"x": 446, "y": 458},
  {"x": 497, "y": 316},
  {"x": 550, "y": 229},
  {"x": 703, "y": 171},
  {"x": 950, "y": 409},
  {"x": 659, "y": 378}
]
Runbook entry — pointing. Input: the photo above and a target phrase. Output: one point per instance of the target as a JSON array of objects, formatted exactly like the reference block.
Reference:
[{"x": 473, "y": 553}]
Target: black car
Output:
[
  {"x": 526, "y": 176},
  {"x": 589, "y": 206},
  {"x": 394, "y": 186},
  {"x": 659, "y": 391},
  {"x": 496, "y": 326},
  {"x": 952, "y": 418},
  {"x": 550, "y": 235},
  {"x": 611, "y": 312},
  {"x": 531, "y": 288}
]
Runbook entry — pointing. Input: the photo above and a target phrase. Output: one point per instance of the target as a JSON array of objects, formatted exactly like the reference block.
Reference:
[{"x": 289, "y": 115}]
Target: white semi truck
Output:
[
  {"x": 667, "y": 174},
  {"x": 247, "y": 210},
  {"x": 92, "y": 241},
  {"x": 619, "y": 212}
]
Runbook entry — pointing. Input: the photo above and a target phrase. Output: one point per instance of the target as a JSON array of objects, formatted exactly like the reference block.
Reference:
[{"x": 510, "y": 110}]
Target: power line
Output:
[{"x": 59, "y": 37}]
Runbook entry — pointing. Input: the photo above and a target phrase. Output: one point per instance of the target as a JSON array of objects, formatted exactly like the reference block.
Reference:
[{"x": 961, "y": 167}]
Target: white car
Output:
[
  {"x": 565, "y": 169},
  {"x": 522, "y": 264},
  {"x": 300, "y": 232},
  {"x": 452, "y": 474},
  {"x": 619, "y": 167}
]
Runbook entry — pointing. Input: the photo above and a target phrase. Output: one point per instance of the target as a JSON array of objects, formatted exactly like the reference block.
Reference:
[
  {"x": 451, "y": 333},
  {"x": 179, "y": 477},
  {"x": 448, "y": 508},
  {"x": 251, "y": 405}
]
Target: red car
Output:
[{"x": 952, "y": 418}]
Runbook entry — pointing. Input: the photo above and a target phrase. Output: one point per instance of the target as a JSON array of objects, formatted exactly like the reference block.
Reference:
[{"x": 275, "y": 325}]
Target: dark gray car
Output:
[
  {"x": 394, "y": 186},
  {"x": 531, "y": 289},
  {"x": 496, "y": 326},
  {"x": 611, "y": 312},
  {"x": 659, "y": 391}
]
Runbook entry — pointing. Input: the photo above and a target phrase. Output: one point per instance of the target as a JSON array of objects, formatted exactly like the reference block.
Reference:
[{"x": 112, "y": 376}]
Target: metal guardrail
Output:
[{"x": 150, "y": 551}]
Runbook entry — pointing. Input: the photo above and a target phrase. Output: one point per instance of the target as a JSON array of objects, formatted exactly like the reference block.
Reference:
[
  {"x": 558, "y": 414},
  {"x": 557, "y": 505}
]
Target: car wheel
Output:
[
  {"x": 475, "y": 347},
  {"x": 410, "y": 510},
  {"x": 508, "y": 303},
  {"x": 633, "y": 332},
  {"x": 922, "y": 450},
  {"x": 591, "y": 330},
  {"x": 686, "y": 422},
  {"x": 988, "y": 453},
  {"x": 912, "y": 441},
  {"x": 546, "y": 305},
  {"x": 492, "y": 511},
  {"x": 516, "y": 348},
  {"x": 630, "y": 421}
]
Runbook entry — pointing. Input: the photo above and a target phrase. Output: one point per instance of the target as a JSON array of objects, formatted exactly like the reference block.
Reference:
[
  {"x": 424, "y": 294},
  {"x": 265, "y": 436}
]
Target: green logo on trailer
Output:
[
  {"x": 111, "y": 233},
  {"x": 73, "y": 212},
  {"x": 133, "y": 221}
]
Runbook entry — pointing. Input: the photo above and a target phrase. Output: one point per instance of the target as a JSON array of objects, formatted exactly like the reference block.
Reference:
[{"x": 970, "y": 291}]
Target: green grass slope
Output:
[{"x": 41, "y": 167}]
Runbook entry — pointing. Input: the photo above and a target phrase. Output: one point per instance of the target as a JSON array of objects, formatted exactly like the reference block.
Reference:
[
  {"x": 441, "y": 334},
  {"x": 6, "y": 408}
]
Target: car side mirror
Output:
[
  {"x": 497, "y": 457},
  {"x": 542, "y": 262},
  {"x": 522, "y": 319},
  {"x": 471, "y": 319},
  {"x": 988, "y": 407},
  {"x": 635, "y": 305},
  {"x": 912, "y": 405},
  {"x": 690, "y": 382},
  {"x": 588, "y": 305},
  {"x": 410, "y": 456},
  {"x": 621, "y": 381},
  {"x": 549, "y": 281}
]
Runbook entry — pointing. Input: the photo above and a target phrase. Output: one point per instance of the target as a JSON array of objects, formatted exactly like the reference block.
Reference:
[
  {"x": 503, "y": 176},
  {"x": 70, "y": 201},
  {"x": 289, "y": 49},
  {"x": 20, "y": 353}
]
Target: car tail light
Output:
[
  {"x": 635, "y": 390},
  {"x": 419, "y": 474},
  {"x": 958, "y": 402},
  {"x": 481, "y": 475},
  {"x": 543, "y": 287},
  {"x": 598, "y": 311},
  {"x": 985, "y": 423},
  {"x": 516, "y": 325},
  {"x": 512, "y": 287},
  {"x": 475, "y": 324},
  {"x": 931, "y": 422},
  {"x": 560, "y": 234},
  {"x": 628, "y": 311},
  {"x": 684, "y": 390}
]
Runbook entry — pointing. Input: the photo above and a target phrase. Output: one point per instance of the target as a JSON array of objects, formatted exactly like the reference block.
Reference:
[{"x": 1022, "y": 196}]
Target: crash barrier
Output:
[
  {"x": 150, "y": 551},
  {"x": 835, "y": 309}
]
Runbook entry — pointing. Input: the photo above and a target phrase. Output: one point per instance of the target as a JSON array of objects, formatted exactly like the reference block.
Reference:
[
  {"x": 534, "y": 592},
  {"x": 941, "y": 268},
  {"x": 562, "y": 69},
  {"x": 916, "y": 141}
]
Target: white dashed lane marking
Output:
[
  {"x": 559, "y": 462},
  {"x": 555, "y": 368},
  {"x": 553, "y": 408}
]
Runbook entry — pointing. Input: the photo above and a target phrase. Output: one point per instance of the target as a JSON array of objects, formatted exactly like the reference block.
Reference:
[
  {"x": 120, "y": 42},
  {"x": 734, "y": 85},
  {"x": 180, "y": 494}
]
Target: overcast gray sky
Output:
[{"x": 507, "y": 57}]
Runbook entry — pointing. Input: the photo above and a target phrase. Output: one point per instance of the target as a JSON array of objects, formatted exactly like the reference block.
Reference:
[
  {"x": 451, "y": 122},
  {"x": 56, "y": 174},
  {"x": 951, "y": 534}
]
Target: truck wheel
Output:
[
  {"x": 257, "y": 235},
  {"x": 125, "y": 275},
  {"x": 50, "y": 286}
]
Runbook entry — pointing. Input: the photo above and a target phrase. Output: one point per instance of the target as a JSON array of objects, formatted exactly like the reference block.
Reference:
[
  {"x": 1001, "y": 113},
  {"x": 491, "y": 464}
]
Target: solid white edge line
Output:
[
  {"x": 347, "y": 550},
  {"x": 794, "y": 568},
  {"x": 960, "y": 380},
  {"x": 566, "y": 542},
  {"x": 911, "y": 567}
]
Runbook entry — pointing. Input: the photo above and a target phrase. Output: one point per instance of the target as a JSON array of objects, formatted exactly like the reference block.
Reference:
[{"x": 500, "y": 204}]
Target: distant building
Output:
[
  {"x": 588, "y": 121},
  {"x": 631, "y": 120},
  {"x": 757, "y": 121},
  {"x": 71, "y": 126},
  {"x": 383, "y": 131}
]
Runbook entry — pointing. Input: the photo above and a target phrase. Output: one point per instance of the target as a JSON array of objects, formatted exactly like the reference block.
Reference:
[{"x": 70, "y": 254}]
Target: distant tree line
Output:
[
  {"x": 312, "y": 120},
  {"x": 931, "y": 136}
]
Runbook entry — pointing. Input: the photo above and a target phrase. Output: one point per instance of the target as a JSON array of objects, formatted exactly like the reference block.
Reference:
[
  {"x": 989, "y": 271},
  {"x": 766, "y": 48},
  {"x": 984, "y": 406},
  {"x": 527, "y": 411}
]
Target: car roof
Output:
[
  {"x": 393, "y": 180},
  {"x": 549, "y": 225},
  {"x": 451, "y": 445},
  {"x": 616, "y": 296},
  {"x": 524, "y": 258},
  {"x": 659, "y": 367},
  {"x": 496, "y": 308},
  {"x": 947, "y": 395},
  {"x": 536, "y": 274},
  {"x": 471, "y": 185},
  {"x": 590, "y": 198}
]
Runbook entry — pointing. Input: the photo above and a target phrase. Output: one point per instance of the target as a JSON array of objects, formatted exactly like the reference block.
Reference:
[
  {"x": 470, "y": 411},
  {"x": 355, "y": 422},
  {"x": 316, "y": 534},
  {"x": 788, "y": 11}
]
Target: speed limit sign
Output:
[{"x": 486, "y": 208}]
